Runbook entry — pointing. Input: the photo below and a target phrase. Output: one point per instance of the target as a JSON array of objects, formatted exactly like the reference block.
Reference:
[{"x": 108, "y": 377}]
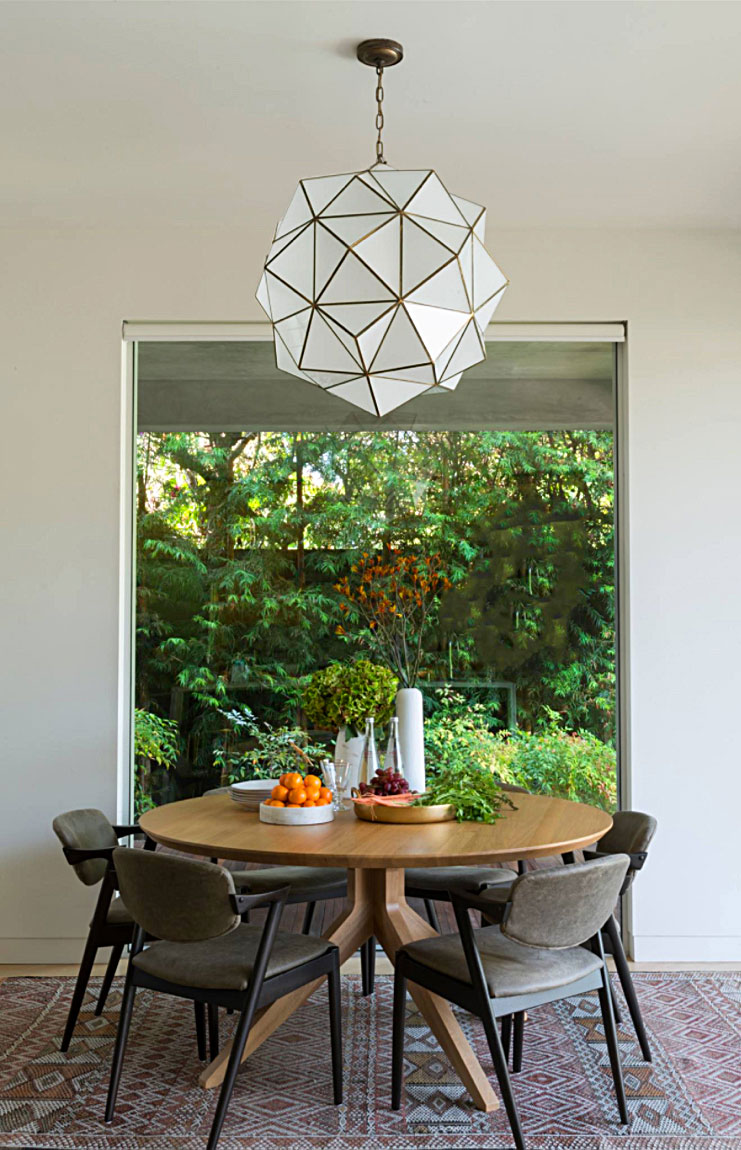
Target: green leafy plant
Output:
[
  {"x": 269, "y": 751},
  {"x": 572, "y": 764},
  {"x": 458, "y": 735},
  {"x": 156, "y": 740},
  {"x": 346, "y": 694},
  {"x": 472, "y": 790}
]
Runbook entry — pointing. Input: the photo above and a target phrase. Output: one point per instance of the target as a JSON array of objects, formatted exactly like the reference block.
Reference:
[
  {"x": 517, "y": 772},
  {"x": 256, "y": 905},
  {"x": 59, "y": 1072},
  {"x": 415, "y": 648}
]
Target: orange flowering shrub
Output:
[{"x": 393, "y": 595}]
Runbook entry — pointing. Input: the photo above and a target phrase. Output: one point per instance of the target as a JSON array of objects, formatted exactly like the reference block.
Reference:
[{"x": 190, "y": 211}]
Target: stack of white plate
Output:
[{"x": 250, "y": 794}]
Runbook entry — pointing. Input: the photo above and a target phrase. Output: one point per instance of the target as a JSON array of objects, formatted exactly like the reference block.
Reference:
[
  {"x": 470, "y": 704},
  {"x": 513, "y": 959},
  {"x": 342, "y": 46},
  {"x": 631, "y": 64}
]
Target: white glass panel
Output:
[
  {"x": 295, "y": 264},
  {"x": 399, "y": 186},
  {"x": 371, "y": 338},
  {"x": 468, "y": 352},
  {"x": 357, "y": 198},
  {"x": 487, "y": 278},
  {"x": 278, "y": 245},
  {"x": 357, "y": 393},
  {"x": 356, "y": 317},
  {"x": 392, "y": 393},
  {"x": 400, "y": 347},
  {"x": 349, "y": 340},
  {"x": 261, "y": 295},
  {"x": 321, "y": 189},
  {"x": 452, "y": 235},
  {"x": 285, "y": 360},
  {"x": 466, "y": 261},
  {"x": 352, "y": 229},
  {"x": 424, "y": 374},
  {"x": 331, "y": 378},
  {"x": 328, "y": 253},
  {"x": 451, "y": 383},
  {"x": 421, "y": 255},
  {"x": 283, "y": 300},
  {"x": 298, "y": 213},
  {"x": 433, "y": 200},
  {"x": 484, "y": 313},
  {"x": 354, "y": 283},
  {"x": 479, "y": 228},
  {"x": 323, "y": 350},
  {"x": 293, "y": 332},
  {"x": 443, "y": 359},
  {"x": 382, "y": 252},
  {"x": 444, "y": 290},
  {"x": 471, "y": 212},
  {"x": 435, "y": 325}
]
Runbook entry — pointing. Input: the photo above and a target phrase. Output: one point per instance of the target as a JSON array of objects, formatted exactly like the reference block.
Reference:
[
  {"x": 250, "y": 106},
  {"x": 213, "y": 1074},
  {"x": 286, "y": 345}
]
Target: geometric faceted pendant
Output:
[{"x": 379, "y": 287}]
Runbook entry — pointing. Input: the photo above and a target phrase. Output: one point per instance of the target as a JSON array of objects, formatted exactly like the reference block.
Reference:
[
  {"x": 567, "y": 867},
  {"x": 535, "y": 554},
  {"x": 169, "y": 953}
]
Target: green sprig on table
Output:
[{"x": 472, "y": 790}]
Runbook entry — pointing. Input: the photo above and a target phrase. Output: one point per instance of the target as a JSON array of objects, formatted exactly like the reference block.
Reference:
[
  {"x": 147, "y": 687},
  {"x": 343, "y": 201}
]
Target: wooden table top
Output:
[{"x": 215, "y": 826}]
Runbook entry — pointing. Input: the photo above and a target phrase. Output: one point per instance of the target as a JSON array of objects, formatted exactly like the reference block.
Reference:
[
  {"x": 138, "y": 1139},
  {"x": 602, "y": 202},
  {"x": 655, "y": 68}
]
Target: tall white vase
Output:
[
  {"x": 411, "y": 735},
  {"x": 352, "y": 751}
]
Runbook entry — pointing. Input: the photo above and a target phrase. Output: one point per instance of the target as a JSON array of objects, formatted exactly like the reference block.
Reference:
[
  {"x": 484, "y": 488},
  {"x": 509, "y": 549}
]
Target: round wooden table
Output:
[{"x": 375, "y": 856}]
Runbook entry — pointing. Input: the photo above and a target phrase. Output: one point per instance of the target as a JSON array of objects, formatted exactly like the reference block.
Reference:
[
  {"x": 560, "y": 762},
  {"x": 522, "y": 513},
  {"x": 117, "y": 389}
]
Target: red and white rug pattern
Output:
[{"x": 688, "y": 1098}]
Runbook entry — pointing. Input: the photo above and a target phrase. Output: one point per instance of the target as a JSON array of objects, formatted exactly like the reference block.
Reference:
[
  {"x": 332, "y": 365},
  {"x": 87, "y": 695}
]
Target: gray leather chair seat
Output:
[
  {"x": 225, "y": 963},
  {"x": 117, "y": 914},
  {"x": 301, "y": 879},
  {"x": 510, "y": 969},
  {"x": 470, "y": 878}
]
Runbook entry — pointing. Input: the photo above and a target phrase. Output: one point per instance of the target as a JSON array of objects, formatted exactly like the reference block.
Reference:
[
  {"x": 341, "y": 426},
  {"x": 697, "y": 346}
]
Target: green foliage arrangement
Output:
[
  {"x": 458, "y": 735},
  {"x": 270, "y": 753},
  {"x": 573, "y": 765},
  {"x": 157, "y": 741},
  {"x": 346, "y": 694},
  {"x": 472, "y": 790}
]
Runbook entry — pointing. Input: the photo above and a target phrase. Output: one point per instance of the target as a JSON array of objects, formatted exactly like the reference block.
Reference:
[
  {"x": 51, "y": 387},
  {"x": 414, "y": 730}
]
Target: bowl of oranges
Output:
[{"x": 298, "y": 800}]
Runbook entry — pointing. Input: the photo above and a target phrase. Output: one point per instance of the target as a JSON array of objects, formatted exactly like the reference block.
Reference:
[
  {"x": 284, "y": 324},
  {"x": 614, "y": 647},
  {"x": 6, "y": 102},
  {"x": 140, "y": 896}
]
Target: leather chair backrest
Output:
[
  {"x": 86, "y": 829},
  {"x": 173, "y": 898},
  {"x": 564, "y": 906}
]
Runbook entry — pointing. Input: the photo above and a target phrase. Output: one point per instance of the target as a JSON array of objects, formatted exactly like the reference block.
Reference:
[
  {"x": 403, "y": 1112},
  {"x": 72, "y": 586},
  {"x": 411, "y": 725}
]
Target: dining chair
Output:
[
  {"x": 88, "y": 840},
  {"x": 631, "y": 834},
  {"x": 548, "y": 947},
  {"x": 307, "y": 884},
  {"x": 204, "y": 952}
]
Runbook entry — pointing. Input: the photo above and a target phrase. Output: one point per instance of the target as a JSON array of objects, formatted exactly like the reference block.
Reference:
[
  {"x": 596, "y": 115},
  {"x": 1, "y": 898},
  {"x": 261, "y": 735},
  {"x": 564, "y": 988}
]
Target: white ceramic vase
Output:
[
  {"x": 350, "y": 749},
  {"x": 412, "y": 736}
]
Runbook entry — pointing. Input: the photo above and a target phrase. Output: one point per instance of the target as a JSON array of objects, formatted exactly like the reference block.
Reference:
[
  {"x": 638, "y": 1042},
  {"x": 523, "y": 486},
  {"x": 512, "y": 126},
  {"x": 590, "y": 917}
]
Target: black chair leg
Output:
[
  {"x": 505, "y": 1084},
  {"x": 608, "y": 1019},
  {"x": 615, "y": 1004},
  {"x": 124, "y": 1022},
  {"x": 335, "y": 1030},
  {"x": 308, "y": 917},
  {"x": 238, "y": 1044},
  {"x": 519, "y": 1036},
  {"x": 88, "y": 958},
  {"x": 200, "y": 1013},
  {"x": 432, "y": 918},
  {"x": 110, "y": 974},
  {"x": 397, "y": 1039},
  {"x": 368, "y": 966},
  {"x": 506, "y": 1035},
  {"x": 626, "y": 981},
  {"x": 213, "y": 1030}
]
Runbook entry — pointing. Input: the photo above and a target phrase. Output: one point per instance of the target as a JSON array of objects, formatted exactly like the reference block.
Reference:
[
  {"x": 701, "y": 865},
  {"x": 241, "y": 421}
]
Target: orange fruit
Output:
[
  {"x": 292, "y": 780},
  {"x": 297, "y": 796},
  {"x": 282, "y": 780},
  {"x": 321, "y": 803},
  {"x": 312, "y": 781},
  {"x": 279, "y": 792},
  {"x": 325, "y": 793},
  {"x": 309, "y": 803},
  {"x": 313, "y": 792},
  {"x": 274, "y": 803}
]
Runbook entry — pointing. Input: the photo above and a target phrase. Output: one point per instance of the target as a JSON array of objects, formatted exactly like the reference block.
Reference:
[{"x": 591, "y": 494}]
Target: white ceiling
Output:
[{"x": 198, "y": 113}]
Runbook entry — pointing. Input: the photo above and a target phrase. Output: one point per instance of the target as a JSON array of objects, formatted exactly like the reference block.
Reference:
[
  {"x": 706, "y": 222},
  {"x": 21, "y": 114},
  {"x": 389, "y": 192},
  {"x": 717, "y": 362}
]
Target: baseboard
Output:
[
  {"x": 686, "y": 948},
  {"x": 46, "y": 951}
]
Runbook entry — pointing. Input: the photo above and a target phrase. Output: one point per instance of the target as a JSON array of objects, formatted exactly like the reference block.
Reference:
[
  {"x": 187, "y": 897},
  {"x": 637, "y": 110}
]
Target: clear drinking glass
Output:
[{"x": 335, "y": 777}]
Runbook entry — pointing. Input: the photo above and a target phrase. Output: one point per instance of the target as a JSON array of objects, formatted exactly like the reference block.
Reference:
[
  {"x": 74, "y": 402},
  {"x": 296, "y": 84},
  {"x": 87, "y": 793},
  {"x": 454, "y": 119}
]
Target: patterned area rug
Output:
[{"x": 689, "y": 1098}]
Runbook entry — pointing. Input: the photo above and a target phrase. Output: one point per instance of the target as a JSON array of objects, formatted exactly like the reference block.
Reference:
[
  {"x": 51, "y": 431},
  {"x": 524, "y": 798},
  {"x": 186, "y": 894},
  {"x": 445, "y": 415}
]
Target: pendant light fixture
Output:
[{"x": 378, "y": 284}]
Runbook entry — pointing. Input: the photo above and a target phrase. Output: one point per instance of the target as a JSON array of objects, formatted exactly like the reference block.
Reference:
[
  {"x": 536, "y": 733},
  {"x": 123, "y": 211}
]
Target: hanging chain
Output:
[{"x": 380, "y": 159}]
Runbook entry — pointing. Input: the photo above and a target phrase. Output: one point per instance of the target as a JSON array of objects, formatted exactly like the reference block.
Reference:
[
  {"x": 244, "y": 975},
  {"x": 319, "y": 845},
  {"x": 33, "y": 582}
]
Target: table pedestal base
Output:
[{"x": 376, "y": 906}]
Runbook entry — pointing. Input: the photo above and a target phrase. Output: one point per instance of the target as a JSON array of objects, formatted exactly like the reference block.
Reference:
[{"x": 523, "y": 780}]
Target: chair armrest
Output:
[
  {"x": 123, "y": 830},
  {"x": 637, "y": 858},
  {"x": 493, "y": 903},
  {"x": 244, "y": 902},
  {"x": 74, "y": 855}
]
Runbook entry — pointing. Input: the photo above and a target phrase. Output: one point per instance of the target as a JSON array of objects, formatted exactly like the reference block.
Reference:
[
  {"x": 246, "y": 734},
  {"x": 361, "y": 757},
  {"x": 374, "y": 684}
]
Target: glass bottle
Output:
[
  {"x": 394, "y": 760},
  {"x": 369, "y": 760}
]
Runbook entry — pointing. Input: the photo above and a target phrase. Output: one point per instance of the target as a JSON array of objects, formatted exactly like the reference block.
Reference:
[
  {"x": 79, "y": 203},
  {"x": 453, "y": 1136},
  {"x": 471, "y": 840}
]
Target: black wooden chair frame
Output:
[
  {"x": 260, "y": 992},
  {"x": 475, "y": 998}
]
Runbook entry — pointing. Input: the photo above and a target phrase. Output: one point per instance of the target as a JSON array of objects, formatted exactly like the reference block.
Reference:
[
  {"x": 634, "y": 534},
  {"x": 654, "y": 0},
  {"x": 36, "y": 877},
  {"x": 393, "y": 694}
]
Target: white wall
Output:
[{"x": 63, "y": 296}]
